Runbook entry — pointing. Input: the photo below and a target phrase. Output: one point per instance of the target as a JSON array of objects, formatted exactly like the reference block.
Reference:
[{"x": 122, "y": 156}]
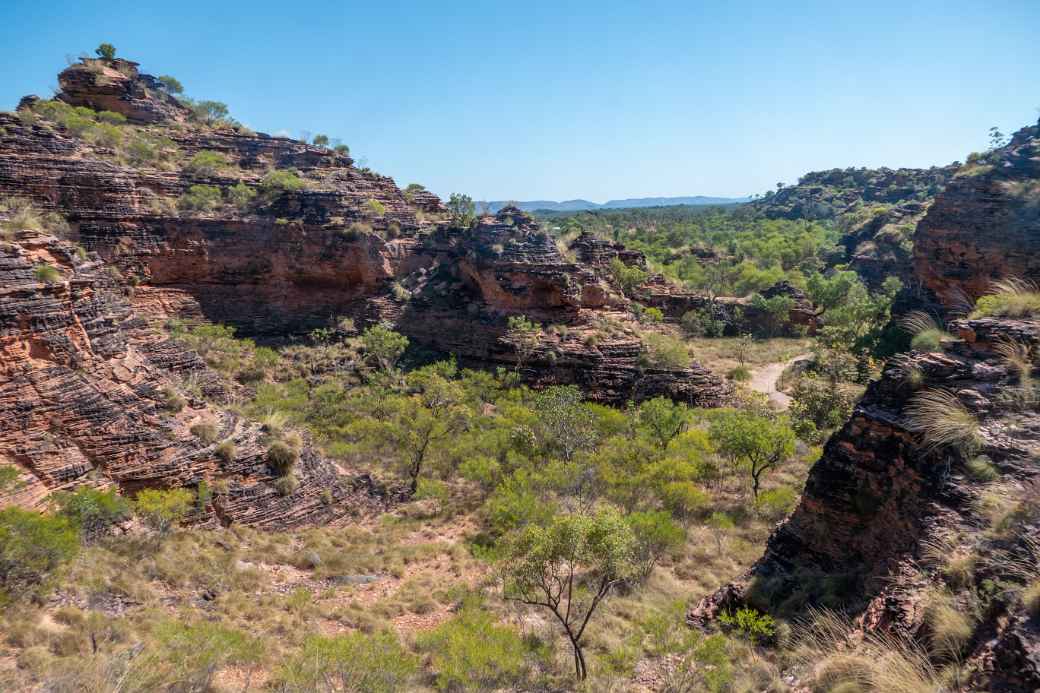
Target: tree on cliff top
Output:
[{"x": 106, "y": 51}]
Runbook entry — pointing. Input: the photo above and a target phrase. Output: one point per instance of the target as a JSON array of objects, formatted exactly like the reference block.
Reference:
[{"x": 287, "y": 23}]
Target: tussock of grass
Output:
[
  {"x": 943, "y": 421},
  {"x": 928, "y": 334},
  {"x": 1009, "y": 298},
  {"x": 951, "y": 628},
  {"x": 1031, "y": 599}
]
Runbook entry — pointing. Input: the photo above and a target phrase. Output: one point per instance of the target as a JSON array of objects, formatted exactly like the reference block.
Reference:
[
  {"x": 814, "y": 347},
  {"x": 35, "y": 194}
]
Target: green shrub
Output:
[
  {"x": 652, "y": 315},
  {"x": 627, "y": 278},
  {"x": 286, "y": 484},
  {"x": 111, "y": 118},
  {"x": 702, "y": 323},
  {"x": 278, "y": 182},
  {"x": 376, "y": 208},
  {"x": 226, "y": 452},
  {"x": 321, "y": 140},
  {"x": 92, "y": 510},
  {"x": 106, "y": 51},
  {"x": 819, "y": 405},
  {"x": 206, "y": 163},
  {"x": 241, "y": 195},
  {"x": 750, "y": 623},
  {"x": 655, "y": 535},
  {"x": 205, "y": 431},
  {"x": 209, "y": 112},
  {"x": 471, "y": 652},
  {"x": 739, "y": 374},
  {"x": 22, "y": 215},
  {"x": 664, "y": 351},
  {"x": 171, "y": 84},
  {"x": 47, "y": 274},
  {"x": 186, "y": 656},
  {"x": 200, "y": 198},
  {"x": 32, "y": 547},
  {"x": 351, "y": 662},
  {"x": 162, "y": 509},
  {"x": 1010, "y": 298},
  {"x": 776, "y": 503},
  {"x": 281, "y": 457}
]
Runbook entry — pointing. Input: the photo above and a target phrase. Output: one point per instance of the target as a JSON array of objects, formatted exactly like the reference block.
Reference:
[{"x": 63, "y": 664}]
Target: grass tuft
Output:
[
  {"x": 943, "y": 421},
  {"x": 1011, "y": 297}
]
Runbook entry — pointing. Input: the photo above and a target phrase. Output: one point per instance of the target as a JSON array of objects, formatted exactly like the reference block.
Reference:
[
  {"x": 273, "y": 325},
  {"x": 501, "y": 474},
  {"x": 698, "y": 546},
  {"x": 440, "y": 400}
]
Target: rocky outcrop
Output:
[
  {"x": 86, "y": 387},
  {"x": 882, "y": 245},
  {"x": 117, "y": 86},
  {"x": 985, "y": 226}
]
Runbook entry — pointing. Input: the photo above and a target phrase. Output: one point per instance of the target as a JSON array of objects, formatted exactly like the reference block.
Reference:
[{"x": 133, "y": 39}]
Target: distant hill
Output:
[{"x": 583, "y": 205}]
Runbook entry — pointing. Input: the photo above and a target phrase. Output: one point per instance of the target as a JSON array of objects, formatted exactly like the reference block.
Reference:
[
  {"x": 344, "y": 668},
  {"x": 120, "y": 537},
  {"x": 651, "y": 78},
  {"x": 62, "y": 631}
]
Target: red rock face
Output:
[
  {"x": 117, "y": 86},
  {"x": 81, "y": 386},
  {"x": 985, "y": 227}
]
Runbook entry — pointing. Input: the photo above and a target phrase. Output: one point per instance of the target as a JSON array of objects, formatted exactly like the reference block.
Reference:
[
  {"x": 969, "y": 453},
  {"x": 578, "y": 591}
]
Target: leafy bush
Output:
[
  {"x": 111, "y": 118},
  {"x": 701, "y": 322},
  {"x": 162, "y": 509},
  {"x": 106, "y": 51},
  {"x": 47, "y": 274},
  {"x": 321, "y": 140},
  {"x": 93, "y": 511},
  {"x": 210, "y": 112},
  {"x": 171, "y": 84},
  {"x": 471, "y": 652},
  {"x": 664, "y": 351},
  {"x": 819, "y": 405},
  {"x": 627, "y": 278},
  {"x": 1010, "y": 298},
  {"x": 200, "y": 198},
  {"x": 241, "y": 195},
  {"x": 775, "y": 313},
  {"x": 655, "y": 535},
  {"x": 32, "y": 547},
  {"x": 278, "y": 182},
  {"x": 376, "y": 208},
  {"x": 776, "y": 503},
  {"x": 286, "y": 484},
  {"x": 384, "y": 346},
  {"x": 351, "y": 662},
  {"x": 750, "y": 623},
  {"x": 206, "y": 163},
  {"x": 186, "y": 656},
  {"x": 281, "y": 457}
]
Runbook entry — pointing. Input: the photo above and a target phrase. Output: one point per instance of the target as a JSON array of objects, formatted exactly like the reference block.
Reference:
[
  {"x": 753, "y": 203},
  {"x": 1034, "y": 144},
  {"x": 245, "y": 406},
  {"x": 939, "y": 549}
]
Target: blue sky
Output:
[{"x": 556, "y": 100}]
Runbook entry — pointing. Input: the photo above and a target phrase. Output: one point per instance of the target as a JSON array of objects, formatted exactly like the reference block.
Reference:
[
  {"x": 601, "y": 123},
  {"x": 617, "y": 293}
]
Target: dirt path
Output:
[{"x": 764, "y": 380}]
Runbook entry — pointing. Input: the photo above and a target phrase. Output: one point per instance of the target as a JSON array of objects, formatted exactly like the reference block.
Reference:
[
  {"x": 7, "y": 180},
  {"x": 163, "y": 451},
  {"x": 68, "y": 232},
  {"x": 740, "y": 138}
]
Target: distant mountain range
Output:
[{"x": 585, "y": 205}]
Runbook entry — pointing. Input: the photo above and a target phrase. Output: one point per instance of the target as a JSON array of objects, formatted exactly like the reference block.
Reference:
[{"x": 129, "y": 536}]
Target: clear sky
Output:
[{"x": 557, "y": 100}]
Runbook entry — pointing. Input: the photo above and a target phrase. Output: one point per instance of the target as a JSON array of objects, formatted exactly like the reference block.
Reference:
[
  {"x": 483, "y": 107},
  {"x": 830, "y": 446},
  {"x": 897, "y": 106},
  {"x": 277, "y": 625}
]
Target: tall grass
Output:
[
  {"x": 926, "y": 331},
  {"x": 1011, "y": 297},
  {"x": 943, "y": 421}
]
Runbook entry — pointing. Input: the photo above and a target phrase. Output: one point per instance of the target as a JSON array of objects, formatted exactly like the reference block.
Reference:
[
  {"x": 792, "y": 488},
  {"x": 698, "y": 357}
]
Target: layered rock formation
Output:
[
  {"x": 87, "y": 388},
  {"x": 986, "y": 226},
  {"x": 888, "y": 505}
]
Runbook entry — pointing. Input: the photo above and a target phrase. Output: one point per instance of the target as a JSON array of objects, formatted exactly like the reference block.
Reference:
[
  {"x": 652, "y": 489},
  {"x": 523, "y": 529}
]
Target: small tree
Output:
[
  {"x": 162, "y": 509},
  {"x": 524, "y": 336},
  {"x": 321, "y": 140},
  {"x": 106, "y": 51},
  {"x": 655, "y": 535},
  {"x": 758, "y": 443},
  {"x": 171, "y": 84},
  {"x": 384, "y": 346},
  {"x": 462, "y": 209},
  {"x": 93, "y": 511},
  {"x": 569, "y": 567},
  {"x": 32, "y": 547},
  {"x": 662, "y": 419}
]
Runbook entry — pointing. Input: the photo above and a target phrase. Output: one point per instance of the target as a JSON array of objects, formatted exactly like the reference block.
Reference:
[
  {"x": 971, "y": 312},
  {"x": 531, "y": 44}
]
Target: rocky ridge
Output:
[{"x": 884, "y": 509}]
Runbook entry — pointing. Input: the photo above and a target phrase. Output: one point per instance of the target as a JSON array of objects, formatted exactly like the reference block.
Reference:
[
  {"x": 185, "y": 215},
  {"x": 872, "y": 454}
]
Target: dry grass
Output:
[
  {"x": 943, "y": 421},
  {"x": 719, "y": 354},
  {"x": 949, "y": 624}
]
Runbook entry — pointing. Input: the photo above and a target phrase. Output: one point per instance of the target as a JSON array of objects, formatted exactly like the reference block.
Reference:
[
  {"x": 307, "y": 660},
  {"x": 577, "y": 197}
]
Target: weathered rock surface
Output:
[
  {"x": 82, "y": 386},
  {"x": 985, "y": 226},
  {"x": 117, "y": 86}
]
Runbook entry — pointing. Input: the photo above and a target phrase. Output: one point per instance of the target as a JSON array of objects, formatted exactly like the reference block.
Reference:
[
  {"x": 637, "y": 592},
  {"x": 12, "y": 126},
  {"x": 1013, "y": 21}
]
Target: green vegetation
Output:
[
  {"x": 279, "y": 182},
  {"x": 472, "y": 652},
  {"x": 1010, "y": 298},
  {"x": 352, "y": 662},
  {"x": 106, "y": 51},
  {"x": 48, "y": 274},
  {"x": 665, "y": 351},
  {"x": 171, "y": 84},
  {"x": 93, "y": 511},
  {"x": 462, "y": 210},
  {"x": 17, "y": 214},
  {"x": 32, "y": 547},
  {"x": 206, "y": 163},
  {"x": 943, "y": 421},
  {"x": 163, "y": 509},
  {"x": 200, "y": 198}
]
